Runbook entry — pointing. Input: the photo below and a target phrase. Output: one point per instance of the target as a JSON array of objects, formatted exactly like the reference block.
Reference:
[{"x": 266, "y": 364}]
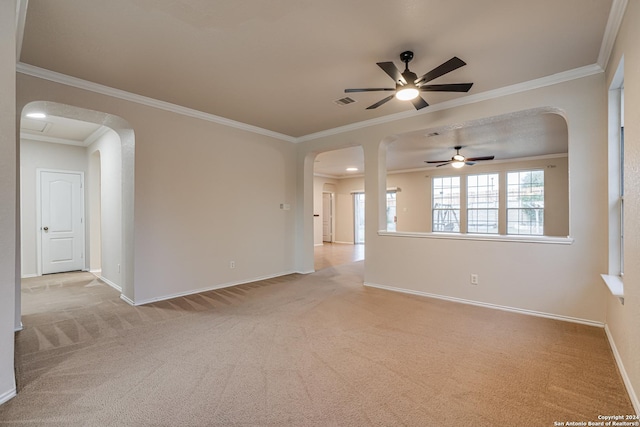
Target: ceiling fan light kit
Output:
[
  {"x": 407, "y": 93},
  {"x": 409, "y": 85},
  {"x": 458, "y": 160}
]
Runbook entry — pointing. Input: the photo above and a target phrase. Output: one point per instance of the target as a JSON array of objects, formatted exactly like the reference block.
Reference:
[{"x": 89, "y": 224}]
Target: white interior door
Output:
[
  {"x": 327, "y": 217},
  {"x": 61, "y": 219}
]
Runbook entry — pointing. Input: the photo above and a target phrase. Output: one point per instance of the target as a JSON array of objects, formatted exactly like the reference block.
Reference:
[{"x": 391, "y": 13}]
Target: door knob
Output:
[{"x": 45, "y": 228}]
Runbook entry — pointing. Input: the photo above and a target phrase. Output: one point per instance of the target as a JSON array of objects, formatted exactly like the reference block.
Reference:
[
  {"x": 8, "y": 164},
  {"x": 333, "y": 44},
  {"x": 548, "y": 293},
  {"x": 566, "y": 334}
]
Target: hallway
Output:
[{"x": 334, "y": 254}]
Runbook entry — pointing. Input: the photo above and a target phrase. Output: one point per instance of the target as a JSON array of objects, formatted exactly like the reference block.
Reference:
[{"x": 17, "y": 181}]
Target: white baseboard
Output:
[
  {"x": 344, "y": 243},
  {"x": 488, "y": 305},
  {"x": 29, "y": 276},
  {"x": 198, "y": 291},
  {"x": 623, "y": 372},
  {"x": 318, "y": 244},
  {"x": 305, "y": 272},
  {"x": 8, "y": 395},
  {"x": 124, "y": 298},
  {"x": 97, "y": 272},
  {"x": 19, "y": 328},
  {"x": 110, "y": 283}
]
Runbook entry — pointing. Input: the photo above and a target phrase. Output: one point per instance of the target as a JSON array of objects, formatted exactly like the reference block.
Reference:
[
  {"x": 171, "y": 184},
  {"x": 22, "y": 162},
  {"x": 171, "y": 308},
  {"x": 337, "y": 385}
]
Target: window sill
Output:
[
  {"x": 615, "y": 285},
  {"x": 482, "y": 237}
]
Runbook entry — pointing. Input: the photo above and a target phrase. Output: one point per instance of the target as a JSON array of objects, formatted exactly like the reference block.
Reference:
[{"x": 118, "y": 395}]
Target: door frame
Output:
[
  {"x": 39, "y": 172},
  {"x": 332, "y": 200}
]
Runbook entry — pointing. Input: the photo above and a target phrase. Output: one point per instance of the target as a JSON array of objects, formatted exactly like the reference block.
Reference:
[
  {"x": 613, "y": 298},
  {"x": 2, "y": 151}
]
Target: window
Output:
[
  {"x": 392, "y": 219},
  {"x": 446, "y": 204},
  {"x": 621, "y": 193},
  {"x": 482, "y": 203},
  {"x": 525, "y": 202},
  {"x": 358, "y": 220},
  {"x": 615, "y": 271}
]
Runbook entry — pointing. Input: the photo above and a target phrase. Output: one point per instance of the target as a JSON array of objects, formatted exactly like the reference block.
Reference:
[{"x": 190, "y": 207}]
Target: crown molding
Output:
[
  {"x": 616, "y": 14},
  {"x": 95, "y": 135},
  {"x": 31, "y": 70},
  {"x": 52, "y": 139},
  {"x": 553, "y": 79}
]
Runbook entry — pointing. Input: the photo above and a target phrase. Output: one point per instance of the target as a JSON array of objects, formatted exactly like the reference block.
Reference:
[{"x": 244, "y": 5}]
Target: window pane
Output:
[
  {"x": 391, "y": 211},
  {"x": 482, "y": 203},
  {"x": 525, "y": 202},
  {"x": 446, "y": 204}
]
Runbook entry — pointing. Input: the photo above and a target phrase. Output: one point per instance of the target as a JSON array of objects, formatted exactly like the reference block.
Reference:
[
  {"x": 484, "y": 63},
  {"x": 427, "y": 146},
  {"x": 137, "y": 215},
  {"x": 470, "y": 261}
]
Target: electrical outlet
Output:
[
  {"x": 474, "y": 279},
  {"x": 232, "y": 264}
]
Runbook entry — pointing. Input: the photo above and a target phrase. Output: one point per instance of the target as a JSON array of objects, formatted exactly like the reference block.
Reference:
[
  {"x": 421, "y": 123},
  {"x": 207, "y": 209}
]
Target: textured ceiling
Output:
[{"x": 280, "y": 64}]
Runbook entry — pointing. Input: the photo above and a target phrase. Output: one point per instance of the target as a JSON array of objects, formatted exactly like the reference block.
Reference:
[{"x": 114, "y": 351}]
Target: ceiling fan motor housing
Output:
[{"x": 406, "y": 56}]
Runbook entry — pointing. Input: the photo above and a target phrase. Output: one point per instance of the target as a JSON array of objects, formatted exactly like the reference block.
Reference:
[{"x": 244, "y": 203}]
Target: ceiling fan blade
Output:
[
  {"x": 437, "y": 161},
  {"x": 453, "y": 87},
  {"x": 392, "y": 71},
  {"x": 419, "y": 103},
  {"x": 469, "y": 163},
  {"x": 369, "y": 89},
  {"x": 443, "y": 164},
  {"x": 379, "y": 103},
  {"x": 452, "y": 64},
  {"x": 475, "y": 159}
]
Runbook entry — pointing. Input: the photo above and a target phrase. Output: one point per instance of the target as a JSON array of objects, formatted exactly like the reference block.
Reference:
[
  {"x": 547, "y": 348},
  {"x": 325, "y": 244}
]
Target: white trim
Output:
[
  {"x": 318, "y": 244},
  {"x": 623, "y": 372},
  {"x": 51, "y": 139},
  {"x": 565, "y": 76},
  {"x": 124, "y": 298},
  {"x": 615, "y": 285},
  {"x": 484, "y": 237},
  {"x": 616, "y": 14},
  {"x": 110, "y": 283},
  {"x": 492, "y": 162},
  {"x": 207, "y": 289},
  {"x": 343, "y": 243},
  {"x": 55, "y": 77},
  {"x": 305, "y": 272},
  {"x": 19, "y": 328},
  {"x": 95, "y": 135},
  {"x": 488, "y": 305},
  {"x": 8, "y": 395},
  {"x": 29, "y": 276}
]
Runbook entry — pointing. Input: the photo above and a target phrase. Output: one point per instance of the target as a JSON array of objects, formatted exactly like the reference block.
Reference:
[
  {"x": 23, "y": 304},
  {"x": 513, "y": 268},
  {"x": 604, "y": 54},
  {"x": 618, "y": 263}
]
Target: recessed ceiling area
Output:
[{"x": 60, "y": 130}]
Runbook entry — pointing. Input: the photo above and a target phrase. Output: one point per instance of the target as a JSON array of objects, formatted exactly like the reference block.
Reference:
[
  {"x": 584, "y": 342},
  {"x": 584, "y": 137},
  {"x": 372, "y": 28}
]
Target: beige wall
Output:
[
  {"x": 557, "y": 279},
  {"x": 205, "y": 194},
  {"x": 9, "y": 263},
  {"x": 623, "y": 321}
]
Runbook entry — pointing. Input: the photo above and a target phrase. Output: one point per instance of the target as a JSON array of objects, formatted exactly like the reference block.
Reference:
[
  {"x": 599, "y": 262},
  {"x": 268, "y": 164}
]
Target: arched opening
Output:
[
  {"x": 338, "y": 207},
  {"x": 99, "y": 147}
]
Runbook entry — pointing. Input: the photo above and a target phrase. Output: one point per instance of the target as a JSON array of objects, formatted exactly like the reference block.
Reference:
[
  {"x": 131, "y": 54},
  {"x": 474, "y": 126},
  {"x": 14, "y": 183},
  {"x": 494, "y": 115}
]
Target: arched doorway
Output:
[{"x": 109, "y": 163}]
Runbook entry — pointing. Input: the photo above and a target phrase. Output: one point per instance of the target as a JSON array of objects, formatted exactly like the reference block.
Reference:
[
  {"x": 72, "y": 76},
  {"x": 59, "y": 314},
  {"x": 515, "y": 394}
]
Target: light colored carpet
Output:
[{"x": 313, "y": 350}]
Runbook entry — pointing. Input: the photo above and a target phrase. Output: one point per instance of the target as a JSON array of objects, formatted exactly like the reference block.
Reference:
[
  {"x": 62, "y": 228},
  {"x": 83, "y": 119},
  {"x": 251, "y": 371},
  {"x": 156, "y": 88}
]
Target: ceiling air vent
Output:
[{"x": 344, "y": 101}]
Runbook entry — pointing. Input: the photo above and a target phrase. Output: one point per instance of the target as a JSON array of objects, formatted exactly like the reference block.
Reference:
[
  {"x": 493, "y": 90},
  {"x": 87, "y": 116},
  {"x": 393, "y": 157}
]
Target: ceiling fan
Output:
[
  {"x": 458, "y": 160},
  {"x": 409, "y": 86}
]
